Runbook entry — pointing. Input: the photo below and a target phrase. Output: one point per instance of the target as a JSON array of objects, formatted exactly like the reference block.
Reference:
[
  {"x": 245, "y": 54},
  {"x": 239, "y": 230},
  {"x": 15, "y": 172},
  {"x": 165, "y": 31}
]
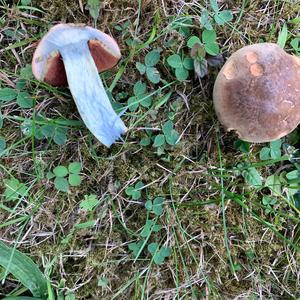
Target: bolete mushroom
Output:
[
  {"x": 257, "y": 93},
  {"x": 73, "y": 54}
]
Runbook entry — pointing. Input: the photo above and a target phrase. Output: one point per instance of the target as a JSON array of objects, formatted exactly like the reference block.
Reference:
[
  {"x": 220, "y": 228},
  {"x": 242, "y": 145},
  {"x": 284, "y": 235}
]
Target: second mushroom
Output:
[{"x": 257, "y": 93}]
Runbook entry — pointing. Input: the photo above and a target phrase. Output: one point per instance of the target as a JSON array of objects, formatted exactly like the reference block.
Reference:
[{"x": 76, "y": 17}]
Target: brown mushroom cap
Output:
[
  {"x": 257, "y": 93},
  {"x": 105, "y": 52}
]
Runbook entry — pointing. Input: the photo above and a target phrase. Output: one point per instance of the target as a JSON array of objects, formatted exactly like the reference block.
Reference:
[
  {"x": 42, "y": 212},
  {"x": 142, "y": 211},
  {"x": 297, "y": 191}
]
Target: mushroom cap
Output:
[
  {"x": 257, "y": 93},
  {"x": 47, "y": 64}
]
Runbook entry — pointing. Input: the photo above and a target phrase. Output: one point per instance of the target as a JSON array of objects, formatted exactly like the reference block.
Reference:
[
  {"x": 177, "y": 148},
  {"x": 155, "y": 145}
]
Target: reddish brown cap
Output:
[
  {"x": 257, "y": 93},
  {"x": 47, "y": 63}
]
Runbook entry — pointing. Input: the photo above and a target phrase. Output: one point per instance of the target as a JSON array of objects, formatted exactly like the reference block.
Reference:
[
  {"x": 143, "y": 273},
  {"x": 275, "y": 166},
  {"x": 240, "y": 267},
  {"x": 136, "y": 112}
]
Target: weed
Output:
[
  {"x": 135, "y": 191},
  {"x": 141, "y": 97},
  {"x": 148, "y": 68},
  {"x": 14, "y": 189},
  {"x": 60, "y": 173}
]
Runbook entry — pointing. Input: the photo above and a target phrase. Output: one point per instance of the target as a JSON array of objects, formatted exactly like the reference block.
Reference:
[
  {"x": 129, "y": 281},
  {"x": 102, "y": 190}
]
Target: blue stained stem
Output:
[{"x": 89, "y": 94}]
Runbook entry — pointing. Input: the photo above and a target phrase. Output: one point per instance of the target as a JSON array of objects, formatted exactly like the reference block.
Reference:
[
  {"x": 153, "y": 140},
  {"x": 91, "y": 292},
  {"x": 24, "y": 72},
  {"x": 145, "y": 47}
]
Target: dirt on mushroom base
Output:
[{"x": 103, "y": 252}]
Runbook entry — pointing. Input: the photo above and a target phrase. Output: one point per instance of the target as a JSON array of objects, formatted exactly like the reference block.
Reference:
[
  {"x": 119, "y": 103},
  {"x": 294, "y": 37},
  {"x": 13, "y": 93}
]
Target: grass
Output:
[{"x": 226, "y": 225}]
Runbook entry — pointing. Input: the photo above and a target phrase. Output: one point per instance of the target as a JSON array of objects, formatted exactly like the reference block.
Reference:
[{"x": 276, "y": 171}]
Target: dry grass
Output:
[{"x": 190, "y": 179}]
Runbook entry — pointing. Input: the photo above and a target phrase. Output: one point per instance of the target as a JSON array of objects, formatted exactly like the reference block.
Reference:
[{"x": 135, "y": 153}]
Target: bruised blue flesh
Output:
[{"x": 89, "y": 94}]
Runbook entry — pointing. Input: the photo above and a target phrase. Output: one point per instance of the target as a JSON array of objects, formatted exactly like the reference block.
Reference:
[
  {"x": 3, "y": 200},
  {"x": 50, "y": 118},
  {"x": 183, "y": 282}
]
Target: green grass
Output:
[{"x": 226, "y": 222}]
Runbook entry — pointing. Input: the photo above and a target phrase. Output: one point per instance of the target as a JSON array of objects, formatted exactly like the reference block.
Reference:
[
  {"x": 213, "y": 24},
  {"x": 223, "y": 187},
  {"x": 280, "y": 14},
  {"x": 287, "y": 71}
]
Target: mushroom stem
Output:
[{"x": 89, "y": 94}]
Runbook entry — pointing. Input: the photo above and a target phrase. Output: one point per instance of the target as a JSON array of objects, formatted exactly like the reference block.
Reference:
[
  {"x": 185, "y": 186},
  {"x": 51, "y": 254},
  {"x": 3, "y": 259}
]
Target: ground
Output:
[{"x": 218, "y": 236}]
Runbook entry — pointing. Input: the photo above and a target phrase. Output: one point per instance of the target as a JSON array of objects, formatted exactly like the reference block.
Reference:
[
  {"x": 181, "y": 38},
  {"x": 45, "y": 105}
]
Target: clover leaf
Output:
[
  {"x": 140, "y": 97},
  {"x": 159, "y": 255},
  {"x": 181, "y": 66},
  {"x": 62, "y": 183},
  {"x": 148, "y": 68},
  {"x": 14, "y": 189},
  {"x": 135, "y": 191}
]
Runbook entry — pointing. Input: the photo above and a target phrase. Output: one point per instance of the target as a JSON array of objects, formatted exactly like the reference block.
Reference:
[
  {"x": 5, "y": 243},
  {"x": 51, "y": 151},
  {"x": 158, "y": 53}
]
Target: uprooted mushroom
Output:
[
  {"x": 257, "y": 93},
  {"x": 73, "y": 54}
]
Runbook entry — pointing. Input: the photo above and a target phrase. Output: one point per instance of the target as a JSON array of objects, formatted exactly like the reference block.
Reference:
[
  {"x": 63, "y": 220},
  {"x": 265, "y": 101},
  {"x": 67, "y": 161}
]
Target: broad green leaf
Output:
[
  {"x": 24, "y": 270},
  {"x": 252, "y": 177},
  {"x": 201, "y": 67},
  {"x": 214, "y": 5},
  {"x": 145, "y": 141},
  {"x": 135, "y": 192},
  {"x": 61, "y": 184},
  {"x": 145, "y": 100},
  {"x": 139, "y": 88},
  {"x": 174, "y": 61},
  {"x": 264, "y": 153},
  {"x": 60, "y": 136},
  {"x": 24, "y": 100},
  {"x": 212, "y": 48},
  {"x": 50, "y": 175},
  {"x": 157, "y": 207},
  {"x": 2, "y": 144},
  {"x": 141, "y": 68},
  {"x": 60, "y": 171},
  {"x": 152, "y": 248},
  {"x": 274, "y": 184},
  {"x": 172, "y": 138},
  {"x": 242, "y": 146},
  {"x": 136, "y": 247},
  {"x": 181, "y": 73},
  {"x": 193, "y": 40},
  {"x": 148, "y": 205},
  {"x": 74, "y": 180},
  {"x": 283, "y": 35},
  {"x": 48, "y": 131},
  {"x": 153, "y": 75},
  {"x": 156, "y": 228},
  {"x": 147, "y": 229},
  {"x": 133, "y": 103},
  {"x": 275, "y": 147},
  {"x": 297, "y": 200},
  {"x": 89, "y": 202},
  {"x": 1, "y": 122},
  {"x": 165, "y": 251},
  {"x": 94, "y": 8},
  {"x": 8, "y": 94},
  {"x": 70, "y": 296},
  {"x": 209, "y": 36},
  {"x": 204, "y": 20},
  {"x": 295, "y": 44},
  {"x": 152, "y": 58},
  {"x": 188, "y": 63},
  {"x": 184, "y": 27},
  {"x": 20, "y": 84},
  {"x": 14, "y": 189},
  {"x": 223, "y": 17},
  {"x": 26, "y": 72},
  {"x": 74, "y": 167},
  {"x": 167, "y": 127},
  {"x": 159, "y": 140},
  {"x": 293, "y": 175}
]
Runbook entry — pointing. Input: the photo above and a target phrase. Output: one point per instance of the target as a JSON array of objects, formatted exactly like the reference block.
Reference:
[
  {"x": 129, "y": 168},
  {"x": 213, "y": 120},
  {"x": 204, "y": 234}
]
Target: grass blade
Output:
[{"x": 24, "y": 269}]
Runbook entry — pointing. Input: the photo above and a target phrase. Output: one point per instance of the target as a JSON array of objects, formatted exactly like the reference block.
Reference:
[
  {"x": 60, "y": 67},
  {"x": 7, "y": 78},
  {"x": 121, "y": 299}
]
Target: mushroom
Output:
[
  {"x": 257, "y": 93},
  {"x": 73, "y": 54}
]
